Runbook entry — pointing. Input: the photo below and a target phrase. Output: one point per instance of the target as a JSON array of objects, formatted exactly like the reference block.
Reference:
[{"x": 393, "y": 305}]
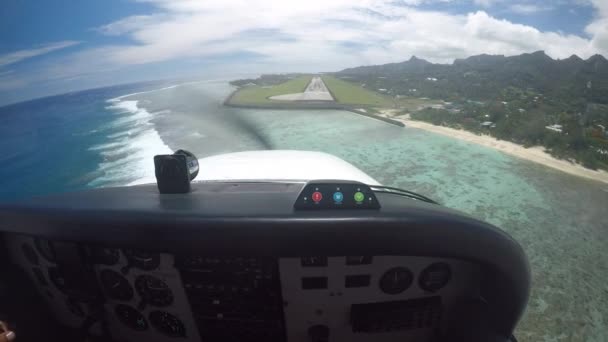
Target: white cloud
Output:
[
  {"x": 20, "y": 55},
  {"x": 527, "y": 9},
  {"x": 602, "y": 7},
  {"x": 126, "y": 25},
  {"x": 485, "y": 3},
  {"x": 310, "y": 35},
  {"x": 598, "y": 28},
  {"x": 386, "y": 32}
]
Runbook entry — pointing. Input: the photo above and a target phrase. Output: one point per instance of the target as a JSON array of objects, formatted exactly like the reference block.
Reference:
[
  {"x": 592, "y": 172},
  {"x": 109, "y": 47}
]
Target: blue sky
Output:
[{"x": 51, "y": 47}]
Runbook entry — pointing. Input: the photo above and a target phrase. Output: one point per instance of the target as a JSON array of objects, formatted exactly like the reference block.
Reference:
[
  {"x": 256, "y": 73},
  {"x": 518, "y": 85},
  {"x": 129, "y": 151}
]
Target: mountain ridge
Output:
[
  {"x": 483, "y": 77},
  {"x": 529, "y": 99},
  {"x": 537, "y": 54}
]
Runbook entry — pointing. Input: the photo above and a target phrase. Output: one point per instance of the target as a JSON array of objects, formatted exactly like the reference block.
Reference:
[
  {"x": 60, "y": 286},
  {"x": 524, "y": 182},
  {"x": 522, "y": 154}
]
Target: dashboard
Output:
[{"x": 206, "y": 267}]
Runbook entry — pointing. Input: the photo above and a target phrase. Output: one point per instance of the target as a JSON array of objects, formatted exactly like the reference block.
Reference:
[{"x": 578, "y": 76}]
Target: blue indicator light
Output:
[{"x": 338, "y": 197}]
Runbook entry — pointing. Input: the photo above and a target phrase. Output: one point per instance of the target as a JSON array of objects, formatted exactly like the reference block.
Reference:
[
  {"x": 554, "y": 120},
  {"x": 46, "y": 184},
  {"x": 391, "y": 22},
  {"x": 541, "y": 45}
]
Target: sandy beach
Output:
[{"x": 535, "y": 154}]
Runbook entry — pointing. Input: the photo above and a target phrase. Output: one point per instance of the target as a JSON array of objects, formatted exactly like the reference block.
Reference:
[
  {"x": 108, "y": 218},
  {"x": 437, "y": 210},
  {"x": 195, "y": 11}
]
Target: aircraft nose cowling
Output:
[{"x": 279, "y": 165}]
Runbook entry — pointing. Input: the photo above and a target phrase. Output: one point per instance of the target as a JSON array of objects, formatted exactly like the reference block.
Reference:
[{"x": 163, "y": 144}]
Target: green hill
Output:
[
  {"x": 255, "y": 94},
  {"x": 516, "y": 98}
]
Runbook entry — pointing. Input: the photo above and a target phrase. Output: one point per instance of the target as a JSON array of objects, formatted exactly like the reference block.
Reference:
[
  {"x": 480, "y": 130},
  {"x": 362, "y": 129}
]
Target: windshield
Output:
[{"x": 495, "y": 108}]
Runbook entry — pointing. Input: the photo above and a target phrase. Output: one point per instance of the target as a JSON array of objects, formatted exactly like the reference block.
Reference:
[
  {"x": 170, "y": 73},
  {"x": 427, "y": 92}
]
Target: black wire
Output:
[
  {"x": 419, "y": 198},
  {"x": 422, "y": 199},
  {"x": 397, "y": 191}
]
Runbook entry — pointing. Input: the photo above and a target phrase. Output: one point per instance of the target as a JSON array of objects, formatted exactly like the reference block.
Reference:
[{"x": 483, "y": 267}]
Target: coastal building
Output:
[{"x": 555, "y": 128}]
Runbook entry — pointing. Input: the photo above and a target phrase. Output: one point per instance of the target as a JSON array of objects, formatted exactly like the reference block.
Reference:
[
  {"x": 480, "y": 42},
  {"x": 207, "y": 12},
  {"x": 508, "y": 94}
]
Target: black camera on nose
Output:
[{"x": 175, "y": 171}]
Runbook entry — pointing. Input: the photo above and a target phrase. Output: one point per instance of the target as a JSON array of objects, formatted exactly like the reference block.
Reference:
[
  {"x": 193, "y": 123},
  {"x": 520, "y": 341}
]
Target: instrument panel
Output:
[
  {"x": 395, "y": 298},
  {"x": 165, "y": 297}
]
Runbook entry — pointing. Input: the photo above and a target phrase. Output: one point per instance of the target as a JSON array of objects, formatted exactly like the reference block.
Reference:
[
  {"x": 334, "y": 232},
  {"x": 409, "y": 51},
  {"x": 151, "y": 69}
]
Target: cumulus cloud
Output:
[
  {"x": 527, "y": 9},
  {"x": 385, "y": 31},
  {"x": 598, "y": 28},
  {"x": 20, "y": 55},
  {"x": 307, "y": 35},
  {"x": 485, "y": 3}
]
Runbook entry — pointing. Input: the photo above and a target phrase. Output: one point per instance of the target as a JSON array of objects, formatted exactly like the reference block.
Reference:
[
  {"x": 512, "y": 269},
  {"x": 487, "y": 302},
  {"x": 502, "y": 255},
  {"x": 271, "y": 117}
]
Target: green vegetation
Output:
[
  {"x": 412, "y": 104},
  {"x": 522, "y": 118},
  {"x": 529, "y": 99},
  {"x": 353, "y": 94},
  {"x": 260, "y": 91},
  {"x": 257, "y": 92}
]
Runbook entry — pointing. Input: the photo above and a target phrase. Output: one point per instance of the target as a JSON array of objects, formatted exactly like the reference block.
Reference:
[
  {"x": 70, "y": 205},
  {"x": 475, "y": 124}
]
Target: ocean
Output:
[{"x": 106, "y": 137}]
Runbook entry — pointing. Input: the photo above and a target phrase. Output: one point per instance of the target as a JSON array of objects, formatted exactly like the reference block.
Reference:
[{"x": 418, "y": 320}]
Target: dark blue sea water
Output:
[{"x": 48, "y": 145}]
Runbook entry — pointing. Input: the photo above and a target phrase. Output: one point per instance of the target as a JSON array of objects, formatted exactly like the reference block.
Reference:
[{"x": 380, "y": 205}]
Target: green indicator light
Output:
[{"x": 359, "y": 196}]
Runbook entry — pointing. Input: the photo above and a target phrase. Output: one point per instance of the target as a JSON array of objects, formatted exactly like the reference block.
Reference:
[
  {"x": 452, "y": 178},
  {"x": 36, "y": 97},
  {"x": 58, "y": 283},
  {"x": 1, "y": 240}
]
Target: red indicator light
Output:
[{"x": 317, "y": 196}]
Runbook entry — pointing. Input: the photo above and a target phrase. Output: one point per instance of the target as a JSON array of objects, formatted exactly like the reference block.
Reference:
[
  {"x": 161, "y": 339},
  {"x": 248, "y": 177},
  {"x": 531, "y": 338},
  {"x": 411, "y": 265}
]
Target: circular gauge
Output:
[
  {"x": 396, "y": 280},
  {"x": 57, "y": 279},
  {"x": 30, "y": 254},
  {"x": 75, "y": 307},
  {"x": 143, "y": 260},
  {"x": 153, "y": 290},
  {"x": 115, "y": 285},
  {"x": 105, "y": 256},
  {"x": 45, "y": 249},
  {"x": 167, "y": 324},
  {"x": 435, "y": 277},
  {"x": 131, "y": 317}
]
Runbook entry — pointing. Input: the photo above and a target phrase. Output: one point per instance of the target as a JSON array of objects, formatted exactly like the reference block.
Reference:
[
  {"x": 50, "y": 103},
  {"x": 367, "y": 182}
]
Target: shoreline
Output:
[{"x": 534, "y": 154}]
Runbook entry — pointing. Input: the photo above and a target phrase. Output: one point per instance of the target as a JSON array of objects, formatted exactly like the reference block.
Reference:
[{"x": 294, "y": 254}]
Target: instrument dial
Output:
[
  {"x": 435, "y": 277},
  {"x": 396, "y": 280},
  {"x": 153, "y": 290},
  {"x": 131, "y": 317},
  {"x": 115, "y": 285},
  {"x": 167, "y": 324}
]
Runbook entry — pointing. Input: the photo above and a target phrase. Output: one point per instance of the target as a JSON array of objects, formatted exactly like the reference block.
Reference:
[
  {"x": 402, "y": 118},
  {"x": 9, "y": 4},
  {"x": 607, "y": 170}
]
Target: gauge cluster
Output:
[
  {"x": 146, "y": 294},
  {"x": 36, "y": 257},
  {"x": 398, "y": 297},
  {"x": 153, "y": 290},
  {"x": 164, "y": 297}
]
